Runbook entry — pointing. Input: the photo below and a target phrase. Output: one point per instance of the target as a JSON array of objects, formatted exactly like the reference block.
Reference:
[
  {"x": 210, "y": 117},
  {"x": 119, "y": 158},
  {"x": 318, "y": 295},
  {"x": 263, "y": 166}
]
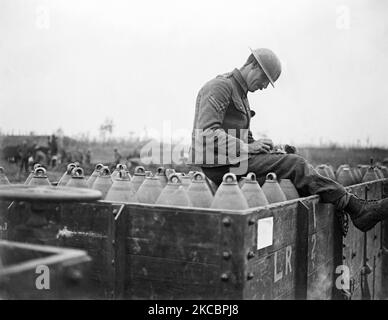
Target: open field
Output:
[
  {"x": 104, "y": 153},
  {"x": 339, "y": 155}
]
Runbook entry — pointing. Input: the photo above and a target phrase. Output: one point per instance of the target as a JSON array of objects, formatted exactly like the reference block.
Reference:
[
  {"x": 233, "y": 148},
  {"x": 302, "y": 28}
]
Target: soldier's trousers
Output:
[{"x": 286, "y": 166}]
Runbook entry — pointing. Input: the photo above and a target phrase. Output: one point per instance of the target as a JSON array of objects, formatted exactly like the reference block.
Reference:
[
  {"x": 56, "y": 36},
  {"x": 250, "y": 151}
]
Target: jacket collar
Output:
[{"x": 240, "y": 80}]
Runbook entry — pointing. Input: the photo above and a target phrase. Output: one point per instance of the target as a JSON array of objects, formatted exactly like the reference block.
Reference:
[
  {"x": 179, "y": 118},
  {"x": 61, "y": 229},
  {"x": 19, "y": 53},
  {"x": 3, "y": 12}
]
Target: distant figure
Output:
[
  {"x": 24, "y": 153},
  {"x": 88, "y": 157},
  {"x": 53, "y": 150},
  {"x": 54, "y": 160},
  {"x": 39, "y": 156},
  {"x": 53, "y": 145},
  {"x": 117, "y": 157}
]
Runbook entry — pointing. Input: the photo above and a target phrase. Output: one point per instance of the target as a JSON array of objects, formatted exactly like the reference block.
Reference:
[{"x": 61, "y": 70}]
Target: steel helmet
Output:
[{"x": 269, "y": 62}]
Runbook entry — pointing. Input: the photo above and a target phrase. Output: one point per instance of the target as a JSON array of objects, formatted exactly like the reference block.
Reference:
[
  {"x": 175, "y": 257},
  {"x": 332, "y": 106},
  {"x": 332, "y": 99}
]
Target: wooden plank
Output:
[
  {"x": 384, "y": 247},
  {"x": 320, "y": 215},
  {"x": 373, "y": 242},
  {"x": 374, "y": 248},
  {"x": 284, "y": 227},
  {"x": 4, "y": 223},
  {"x": 384, "y": 188},
  {"x": 353, "y": 249},
  {"x": 353, "y": 252},
  {"x": 321, "y": 264},
  {"x": 233, "y": 261},
  {"x": 357, "y": 292},
  {"x": 181, "y": 272},
  {"x": 150, "y": 289},
  {"x": 169, "y": 253},
  {"x": 321, "y": 247},
  {"x": 321, "y": 281},
  {"x": 119, "y": 247},
  {"x": 378, "y": 285},
  {"x": 302, "y": 246},
  {"x": 287, "y": 254},
  {"x": 91, "y": 227},
  {"x": 372, "y": 281},
  {"x": 173, "y": 233},
  {"x": 287, "y": 296},
  {"x": 33, "y": 224},
  {"x": 165, "y": 245},
  {"x": 324, "y": 251},
  {"x": 88, "y": 217},
  {"x": 384, "y": 273},
  {"x": 273, "y": 275}
]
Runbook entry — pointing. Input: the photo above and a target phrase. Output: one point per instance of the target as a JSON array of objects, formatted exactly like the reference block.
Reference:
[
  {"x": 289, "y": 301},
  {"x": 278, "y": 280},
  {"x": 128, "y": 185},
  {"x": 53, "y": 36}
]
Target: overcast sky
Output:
[{"x": 72, "y": 64}]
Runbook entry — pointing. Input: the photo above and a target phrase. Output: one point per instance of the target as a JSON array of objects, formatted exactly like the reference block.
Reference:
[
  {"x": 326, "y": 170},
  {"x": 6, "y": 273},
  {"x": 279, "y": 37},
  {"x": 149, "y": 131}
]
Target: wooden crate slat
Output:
[
  {"x": 167, "y": 290},
  {"x": 171, "y": 270},
  {"x": 174, "y": 234}
]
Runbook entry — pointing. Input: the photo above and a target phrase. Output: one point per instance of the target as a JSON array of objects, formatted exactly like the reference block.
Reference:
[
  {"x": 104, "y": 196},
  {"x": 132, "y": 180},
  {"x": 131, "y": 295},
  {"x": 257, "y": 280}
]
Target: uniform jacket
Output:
[{"x": 221, "y": 123}]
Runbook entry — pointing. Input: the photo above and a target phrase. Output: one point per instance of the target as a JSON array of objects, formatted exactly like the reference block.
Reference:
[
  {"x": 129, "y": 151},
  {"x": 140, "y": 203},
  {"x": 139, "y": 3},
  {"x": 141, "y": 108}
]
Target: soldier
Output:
[
  {"x": 117, "y": 157},
  {"x": 88, "y": 157},
  {"x": 53, "y": 145},
  {"x": 222, "y": 141},
  {"x": 24, "y": 153},
  {"x": 39, "y": 156}
]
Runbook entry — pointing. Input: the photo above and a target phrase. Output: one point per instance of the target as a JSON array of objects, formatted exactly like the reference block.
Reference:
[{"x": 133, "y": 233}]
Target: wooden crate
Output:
[
  {"x": 21, "y": 265},
  {"x": 181, "y": 253},
  {"x": 85, "y": 226},
  {"x": 158, "y": 252}
]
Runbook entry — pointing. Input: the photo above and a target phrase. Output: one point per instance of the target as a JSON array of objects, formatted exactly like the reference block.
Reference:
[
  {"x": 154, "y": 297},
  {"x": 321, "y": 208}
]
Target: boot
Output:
[{"x": 365, "y": 214}]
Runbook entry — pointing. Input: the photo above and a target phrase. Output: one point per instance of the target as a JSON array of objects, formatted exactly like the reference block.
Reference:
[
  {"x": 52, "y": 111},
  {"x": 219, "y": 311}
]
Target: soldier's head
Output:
[{"x": 261, "y": 68}]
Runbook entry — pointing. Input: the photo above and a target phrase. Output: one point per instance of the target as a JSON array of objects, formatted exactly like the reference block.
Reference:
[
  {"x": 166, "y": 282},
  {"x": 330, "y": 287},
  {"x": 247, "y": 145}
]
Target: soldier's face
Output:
[{"x": 256, "y": 80}]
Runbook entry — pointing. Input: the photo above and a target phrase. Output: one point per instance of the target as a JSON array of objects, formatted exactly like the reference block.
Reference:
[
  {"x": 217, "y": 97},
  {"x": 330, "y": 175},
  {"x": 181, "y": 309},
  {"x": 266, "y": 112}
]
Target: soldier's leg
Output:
[
  {"x": 288, "y": 166},
  {"x": 364, "y": 214},
  {"x": 294, "y": 167}
]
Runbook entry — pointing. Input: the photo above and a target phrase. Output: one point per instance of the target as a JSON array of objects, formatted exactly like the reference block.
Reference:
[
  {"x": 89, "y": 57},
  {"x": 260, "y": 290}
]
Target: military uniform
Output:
[{"x": 221, "y": 134}]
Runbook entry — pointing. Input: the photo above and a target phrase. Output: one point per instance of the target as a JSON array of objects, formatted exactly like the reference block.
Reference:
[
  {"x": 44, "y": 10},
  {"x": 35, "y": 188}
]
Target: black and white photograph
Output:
[{"x": 193, "y": 155}]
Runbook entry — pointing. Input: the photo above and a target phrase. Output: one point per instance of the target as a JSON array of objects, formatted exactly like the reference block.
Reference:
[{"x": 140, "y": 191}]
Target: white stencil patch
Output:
[{"x": 264, "y": 232}]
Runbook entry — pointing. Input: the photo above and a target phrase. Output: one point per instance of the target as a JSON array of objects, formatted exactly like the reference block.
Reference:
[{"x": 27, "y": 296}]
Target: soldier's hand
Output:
[
  {"x": 267, "y": 141},
  {"x": 257, "y": 147}
]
